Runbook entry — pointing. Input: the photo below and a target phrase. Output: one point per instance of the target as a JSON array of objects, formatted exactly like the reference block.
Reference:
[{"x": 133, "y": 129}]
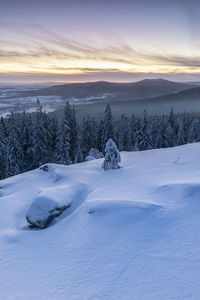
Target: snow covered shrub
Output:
[
  {"x": 112, "y": 157},
  {"x": 95, "y": 153},
  {"x": 88, "y": 158}
]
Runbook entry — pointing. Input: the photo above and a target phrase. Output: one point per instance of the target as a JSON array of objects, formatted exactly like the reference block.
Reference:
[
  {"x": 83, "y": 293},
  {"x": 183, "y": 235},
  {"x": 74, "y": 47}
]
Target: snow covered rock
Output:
[
  {"x": 112, "y": 157},
  {"x": 43, "y": 210},
  {"x": 44, "y": 168},
  {"x": 52, "y": 202}
]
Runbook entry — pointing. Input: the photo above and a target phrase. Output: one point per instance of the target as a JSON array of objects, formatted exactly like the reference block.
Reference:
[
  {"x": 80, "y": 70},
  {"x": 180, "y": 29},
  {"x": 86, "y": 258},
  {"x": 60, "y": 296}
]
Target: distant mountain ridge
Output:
[
  {"x": 143, "y": 89},
  {"x": 185, "y": 100},
  {"x": 184, "y": 95},
  {"x": 156, "y": 96}
]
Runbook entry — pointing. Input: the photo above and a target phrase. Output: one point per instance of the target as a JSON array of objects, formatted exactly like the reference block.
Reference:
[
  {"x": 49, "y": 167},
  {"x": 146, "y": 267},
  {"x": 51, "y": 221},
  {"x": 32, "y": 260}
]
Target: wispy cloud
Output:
[{"x": 31, "y": 48}]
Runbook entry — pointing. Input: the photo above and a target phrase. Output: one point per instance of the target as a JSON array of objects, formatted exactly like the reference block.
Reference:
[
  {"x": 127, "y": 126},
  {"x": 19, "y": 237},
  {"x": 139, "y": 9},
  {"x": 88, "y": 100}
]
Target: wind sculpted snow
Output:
[{"x": 134, "y": 234}]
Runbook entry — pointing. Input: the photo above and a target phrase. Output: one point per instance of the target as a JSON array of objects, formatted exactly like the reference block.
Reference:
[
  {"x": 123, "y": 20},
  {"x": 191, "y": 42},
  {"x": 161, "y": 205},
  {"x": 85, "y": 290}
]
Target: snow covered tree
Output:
[
  {"x": 53, "y": 137},
  {"x": 154, "y": 131},
  {"x": 172, "y": 128},
  {"x": 112, "y": 157},
  {"x": 123, "y": 134},
  {"x": 15, "y": 151},
  {"x": 132, "y": 132},
  {"x": 41, "y": 147},
  {"x": 62, "y": 151},
  {"x": 79, "y": 153},
  {"x": 183, "y": 130},
  {"x": 25, "y": 133},
  {"x": 194, "y": 131},
  {"x": 163, "y": 137},
  {"x": 138, "y": 135},
  {"x": 3, "y": 126},
  {"x": 28, "y": 141},
  {"x": 108, "y": 125},
  {"x": 172, "y": 120},
  {"x": 70, "y": 116},
  {"x": 100, "y": 137},
  {"x": 89, "y": 135},
  {"x": 146, "y": 140},
  {"x": 3, "y": 149}
]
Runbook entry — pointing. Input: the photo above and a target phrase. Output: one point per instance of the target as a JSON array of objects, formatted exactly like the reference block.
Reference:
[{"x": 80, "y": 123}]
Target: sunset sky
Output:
[{"x": 71, "y": 41}]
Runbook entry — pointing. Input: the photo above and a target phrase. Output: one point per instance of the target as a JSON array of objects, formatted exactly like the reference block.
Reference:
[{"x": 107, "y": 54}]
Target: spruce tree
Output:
[
  {"x": 108, "y": 125},
  {"x": 62, "y": 151},
  {"x": 70, "y": 116},
  {"x": 89, "y": 135},
  {"x": 146, "y": 140},
  {"x": 3, "y": 149},
  {"x": 132, "y": 132},
  {"x": 79, "y": 153},
  {"x": 183, "y": 130},
  {"x": 100, "y": 137},
  {"x": 123, "y": 134},
  {"x": 25, "y": 132},
  {"x": 15, "y": 151},
  {"x": 40, "y": 147},
  {"x": 53, "y": 138},
  {"x": 163, "y": 138}
]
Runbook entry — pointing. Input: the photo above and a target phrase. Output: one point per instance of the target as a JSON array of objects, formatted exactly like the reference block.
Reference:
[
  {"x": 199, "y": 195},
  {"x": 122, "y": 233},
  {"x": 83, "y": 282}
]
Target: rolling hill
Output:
[
  {"x": 117, "y": 91},
  {"x": 156, "y": 96}
]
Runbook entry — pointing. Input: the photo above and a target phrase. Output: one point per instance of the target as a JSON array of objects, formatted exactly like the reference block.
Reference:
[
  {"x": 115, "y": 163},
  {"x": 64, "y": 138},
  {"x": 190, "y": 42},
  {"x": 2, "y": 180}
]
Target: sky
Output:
[{"x": 90, "y": 40}]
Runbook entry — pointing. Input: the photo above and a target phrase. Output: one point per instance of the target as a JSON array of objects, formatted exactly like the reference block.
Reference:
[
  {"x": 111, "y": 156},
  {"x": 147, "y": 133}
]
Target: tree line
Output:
[{"x": 28, "y": 141}]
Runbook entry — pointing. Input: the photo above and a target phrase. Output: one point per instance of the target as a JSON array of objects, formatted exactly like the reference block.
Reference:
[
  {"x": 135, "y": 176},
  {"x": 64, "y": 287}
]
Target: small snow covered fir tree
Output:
[{"x": 112, "y": 157}]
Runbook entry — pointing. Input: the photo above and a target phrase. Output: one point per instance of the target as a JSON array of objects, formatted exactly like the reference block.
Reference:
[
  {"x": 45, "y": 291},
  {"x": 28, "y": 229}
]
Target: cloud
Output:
[
  {"x": 109, "y": 76},
  {"x": 39, "y": 49}
]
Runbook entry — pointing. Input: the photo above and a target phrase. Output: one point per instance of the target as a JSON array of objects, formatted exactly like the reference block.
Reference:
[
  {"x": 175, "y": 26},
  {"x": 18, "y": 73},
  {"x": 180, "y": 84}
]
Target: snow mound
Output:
[
  {"x": 52, "y": 202},
  {"x": 181, "y": 195},
  {"x": 51, "y": 169}
]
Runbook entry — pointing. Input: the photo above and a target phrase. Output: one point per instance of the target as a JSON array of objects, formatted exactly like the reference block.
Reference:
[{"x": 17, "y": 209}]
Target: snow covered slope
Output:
[{"x": 131, "y": 233}]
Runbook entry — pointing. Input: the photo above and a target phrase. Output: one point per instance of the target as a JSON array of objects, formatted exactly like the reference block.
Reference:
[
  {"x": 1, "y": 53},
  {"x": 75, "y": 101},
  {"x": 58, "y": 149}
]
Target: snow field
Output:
[{"x": 132, "y": 233}]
